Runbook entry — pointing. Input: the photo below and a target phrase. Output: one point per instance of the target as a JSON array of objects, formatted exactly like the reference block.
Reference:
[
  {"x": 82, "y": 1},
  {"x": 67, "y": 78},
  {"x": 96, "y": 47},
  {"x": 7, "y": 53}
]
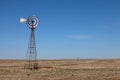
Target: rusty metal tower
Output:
[{"x": 32, "y": 64}]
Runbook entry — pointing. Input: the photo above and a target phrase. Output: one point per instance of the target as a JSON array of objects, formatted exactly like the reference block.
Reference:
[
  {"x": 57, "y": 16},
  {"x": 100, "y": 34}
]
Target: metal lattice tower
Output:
[
  {"x": 32, "y": 63},
  {"x": 31, "y": 52}
]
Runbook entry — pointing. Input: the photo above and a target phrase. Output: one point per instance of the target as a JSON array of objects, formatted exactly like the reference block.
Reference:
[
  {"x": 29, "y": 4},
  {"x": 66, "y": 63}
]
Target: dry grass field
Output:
[{"x": 61, "y": 70}]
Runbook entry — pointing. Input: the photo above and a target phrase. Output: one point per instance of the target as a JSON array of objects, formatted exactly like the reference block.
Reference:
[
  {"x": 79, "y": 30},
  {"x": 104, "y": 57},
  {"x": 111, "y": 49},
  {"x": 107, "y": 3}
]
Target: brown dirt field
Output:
[{"x": 62, "y": 70}]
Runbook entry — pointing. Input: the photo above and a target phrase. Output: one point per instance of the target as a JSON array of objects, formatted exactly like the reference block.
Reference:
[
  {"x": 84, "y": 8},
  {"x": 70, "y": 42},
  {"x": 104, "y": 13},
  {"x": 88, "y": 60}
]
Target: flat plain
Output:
[{"x": 82, "y": 69}]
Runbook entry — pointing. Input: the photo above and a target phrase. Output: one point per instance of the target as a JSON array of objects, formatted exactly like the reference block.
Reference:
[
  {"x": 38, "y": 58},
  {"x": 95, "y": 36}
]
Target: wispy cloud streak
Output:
[{"x": 77, "y": 36}]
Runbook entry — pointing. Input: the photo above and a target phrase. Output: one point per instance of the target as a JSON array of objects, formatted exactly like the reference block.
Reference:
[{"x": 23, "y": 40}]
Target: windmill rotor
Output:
[{"x": 32, "y": 21}]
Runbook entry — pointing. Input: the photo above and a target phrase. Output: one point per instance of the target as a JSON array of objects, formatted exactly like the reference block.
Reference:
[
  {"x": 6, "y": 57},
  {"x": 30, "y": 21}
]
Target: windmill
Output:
[{"x": 32, "y": 23}]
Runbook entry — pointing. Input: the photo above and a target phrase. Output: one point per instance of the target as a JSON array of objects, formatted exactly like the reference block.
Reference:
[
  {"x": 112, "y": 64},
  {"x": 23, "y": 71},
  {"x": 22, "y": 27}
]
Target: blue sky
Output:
[{"x": 67, "y": 29}]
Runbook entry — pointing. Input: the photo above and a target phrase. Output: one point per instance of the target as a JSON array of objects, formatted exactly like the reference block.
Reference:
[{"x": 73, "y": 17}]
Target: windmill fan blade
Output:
[{"x": 23, "y": 20}]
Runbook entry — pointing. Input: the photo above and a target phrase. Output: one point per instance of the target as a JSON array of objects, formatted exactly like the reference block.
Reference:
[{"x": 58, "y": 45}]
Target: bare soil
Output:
[{"x": 62, "y": 70}]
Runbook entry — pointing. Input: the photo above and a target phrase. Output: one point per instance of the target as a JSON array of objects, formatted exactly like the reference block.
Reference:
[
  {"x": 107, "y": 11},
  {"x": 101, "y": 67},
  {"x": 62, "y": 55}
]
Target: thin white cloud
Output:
[{"x": 77, "y": 36}]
